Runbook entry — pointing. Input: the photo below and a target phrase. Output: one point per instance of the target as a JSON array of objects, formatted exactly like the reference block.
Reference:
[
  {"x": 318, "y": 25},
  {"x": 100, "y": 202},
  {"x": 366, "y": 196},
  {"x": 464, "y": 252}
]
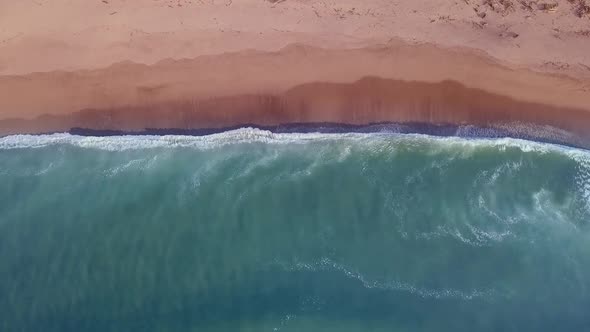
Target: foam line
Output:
[{"x": 253, "y": 135}]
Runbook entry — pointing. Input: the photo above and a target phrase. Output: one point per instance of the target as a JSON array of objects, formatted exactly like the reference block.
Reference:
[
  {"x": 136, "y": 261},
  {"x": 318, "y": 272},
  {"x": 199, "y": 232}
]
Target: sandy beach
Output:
[
  {"x": 194, "y": 64},
  {"x": 294, "y": 165}
]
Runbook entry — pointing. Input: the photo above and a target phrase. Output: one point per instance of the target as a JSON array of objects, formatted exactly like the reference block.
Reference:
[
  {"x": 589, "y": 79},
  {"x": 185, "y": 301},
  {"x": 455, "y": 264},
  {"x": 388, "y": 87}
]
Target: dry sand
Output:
[{"x": 130, "y": 65}]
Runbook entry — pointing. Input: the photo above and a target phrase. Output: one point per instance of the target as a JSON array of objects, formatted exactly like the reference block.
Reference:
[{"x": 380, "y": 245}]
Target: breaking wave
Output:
[{"x": 253, "y": 229}]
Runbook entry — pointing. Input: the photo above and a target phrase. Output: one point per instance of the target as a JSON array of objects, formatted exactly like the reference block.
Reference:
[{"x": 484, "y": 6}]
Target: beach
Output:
[
  {"x": 294, "y": 165},
  {"x": 206, "y": 64}
]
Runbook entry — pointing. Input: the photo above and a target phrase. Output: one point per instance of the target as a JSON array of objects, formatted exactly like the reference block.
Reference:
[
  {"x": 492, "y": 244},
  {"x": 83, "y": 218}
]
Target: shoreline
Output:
[
  {"x": 542, "y": 135},
  {"x": 516, "y": 131},
  {"x": 364, "y": 101}
]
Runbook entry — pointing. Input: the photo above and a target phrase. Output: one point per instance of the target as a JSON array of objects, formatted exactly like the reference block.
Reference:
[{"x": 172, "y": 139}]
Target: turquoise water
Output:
[{"x": 253, "y": 231}]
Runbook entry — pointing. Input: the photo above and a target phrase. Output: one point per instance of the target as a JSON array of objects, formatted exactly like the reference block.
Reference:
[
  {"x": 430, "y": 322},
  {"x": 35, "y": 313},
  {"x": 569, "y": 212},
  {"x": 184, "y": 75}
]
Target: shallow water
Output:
[{"x": 253, "y": 231}]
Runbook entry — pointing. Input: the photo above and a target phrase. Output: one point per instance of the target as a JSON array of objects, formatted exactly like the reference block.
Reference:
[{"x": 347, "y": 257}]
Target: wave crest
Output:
[{"x": 253, "y": 135}]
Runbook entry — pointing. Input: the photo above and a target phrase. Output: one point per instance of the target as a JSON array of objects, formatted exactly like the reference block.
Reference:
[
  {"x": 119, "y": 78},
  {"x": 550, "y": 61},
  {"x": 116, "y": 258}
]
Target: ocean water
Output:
[{"x": 253, "y": 231}]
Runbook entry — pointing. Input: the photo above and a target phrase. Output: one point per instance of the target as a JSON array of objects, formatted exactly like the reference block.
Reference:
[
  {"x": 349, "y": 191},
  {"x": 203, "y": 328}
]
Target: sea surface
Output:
[{"x": 250, "y": 230}]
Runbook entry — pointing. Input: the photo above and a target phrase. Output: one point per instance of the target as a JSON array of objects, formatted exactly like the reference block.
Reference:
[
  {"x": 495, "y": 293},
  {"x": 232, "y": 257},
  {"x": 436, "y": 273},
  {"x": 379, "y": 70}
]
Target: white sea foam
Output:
[
  {"x": 128, "y": 142},
  {"x": 259, "y": 164},
  {"x": 474, "y": 237},
  {"x": 252, "y": 135},
  {"x": 504, "y": 169},
  {"x": 45, "y": 170},
  {"x": 326, "y": 264},
  {"x": 439, "y": 166},
  {"x": 583, "y": 180},
  {"x": 507, "y": 220},
  {"x": 132, "y": 164}
]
